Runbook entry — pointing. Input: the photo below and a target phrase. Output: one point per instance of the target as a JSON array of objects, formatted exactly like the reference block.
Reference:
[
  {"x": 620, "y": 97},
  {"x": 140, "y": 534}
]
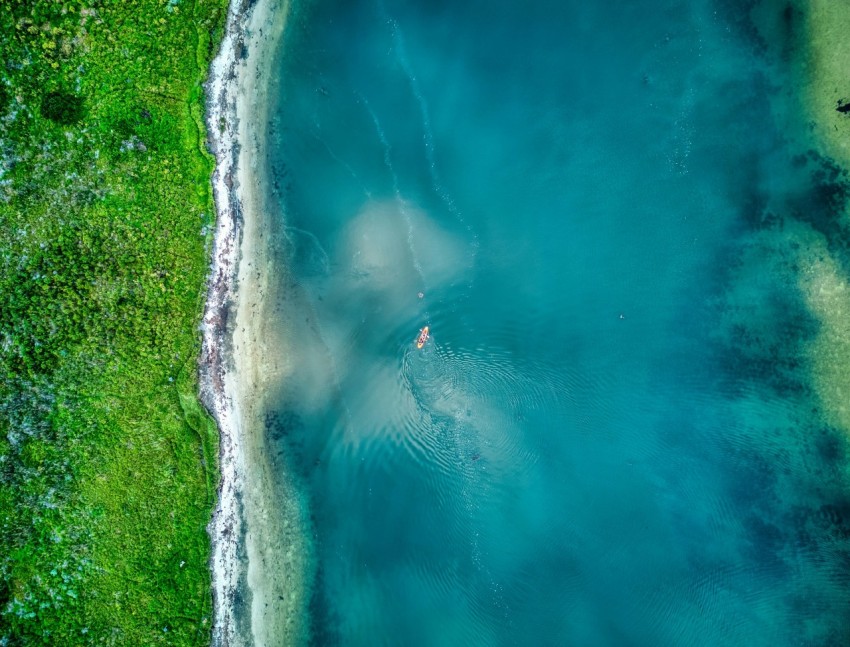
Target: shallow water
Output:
[{"x": 610, "y": 437}]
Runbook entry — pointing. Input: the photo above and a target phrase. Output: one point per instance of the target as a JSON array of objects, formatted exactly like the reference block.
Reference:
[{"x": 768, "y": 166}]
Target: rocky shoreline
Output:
[{"x": 226, "y": 527}]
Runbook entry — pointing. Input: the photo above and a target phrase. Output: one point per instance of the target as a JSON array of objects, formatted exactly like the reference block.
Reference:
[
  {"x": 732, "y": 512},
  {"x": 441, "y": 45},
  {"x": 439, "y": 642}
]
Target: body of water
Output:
[{"x": 610, "y": 437}]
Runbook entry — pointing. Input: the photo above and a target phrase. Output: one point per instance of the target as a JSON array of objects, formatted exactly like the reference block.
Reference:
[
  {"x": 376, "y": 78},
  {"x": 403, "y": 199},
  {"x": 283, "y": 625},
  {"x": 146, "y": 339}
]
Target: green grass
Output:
[{"x": 107, "y": 460}]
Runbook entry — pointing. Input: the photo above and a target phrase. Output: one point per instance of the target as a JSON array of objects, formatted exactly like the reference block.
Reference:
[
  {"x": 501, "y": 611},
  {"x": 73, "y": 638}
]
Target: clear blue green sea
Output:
[{"x": 611, "y": 437}]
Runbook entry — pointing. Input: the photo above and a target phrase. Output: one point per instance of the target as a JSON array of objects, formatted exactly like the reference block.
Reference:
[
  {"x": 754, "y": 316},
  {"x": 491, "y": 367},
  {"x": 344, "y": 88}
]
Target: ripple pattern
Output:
[{"x": 610, "y": 437}]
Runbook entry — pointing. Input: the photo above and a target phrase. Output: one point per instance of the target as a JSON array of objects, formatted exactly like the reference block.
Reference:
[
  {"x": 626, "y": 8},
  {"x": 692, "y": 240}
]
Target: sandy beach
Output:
[{"x": 260, "y": 556}]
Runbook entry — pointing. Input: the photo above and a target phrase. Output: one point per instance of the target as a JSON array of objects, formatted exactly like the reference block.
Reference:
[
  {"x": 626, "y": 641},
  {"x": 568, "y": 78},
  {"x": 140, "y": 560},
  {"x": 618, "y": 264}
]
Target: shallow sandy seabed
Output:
[
  {"x": 812, "y": 39},
  {"x": 260, "y": 563},
  {"x": 822, "y": 68}
]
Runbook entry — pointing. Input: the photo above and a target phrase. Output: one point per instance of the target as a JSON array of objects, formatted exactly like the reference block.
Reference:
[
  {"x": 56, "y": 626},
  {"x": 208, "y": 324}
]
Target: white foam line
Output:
[
  {"x": 345, "y": 164},
  {"x": 326, "y": 260},
  {"x": 400, "y": 201},
  {"x": 403, "y": 59},
  {"x": 382, "y": 136},
  {"x": 427, "y": 132}
]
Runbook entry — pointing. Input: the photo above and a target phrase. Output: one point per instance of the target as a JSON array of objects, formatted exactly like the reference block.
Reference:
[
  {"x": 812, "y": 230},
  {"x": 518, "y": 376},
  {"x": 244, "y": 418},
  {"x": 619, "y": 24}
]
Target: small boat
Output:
[{"x": 423, "y": 337}]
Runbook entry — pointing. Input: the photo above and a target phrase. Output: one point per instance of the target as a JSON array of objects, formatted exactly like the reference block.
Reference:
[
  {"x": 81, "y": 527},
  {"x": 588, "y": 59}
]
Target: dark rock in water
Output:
[
  {"x": 843, "y": 107},
  {"x": 767, "y": 538},
  {"x": 822, "y": 204},
  {"x": 325, "y": 623},
  {"x": 799, "y": 161},
  {"x": 788, "y": 15},
  {"x": 834, "y": 518},
  {"x": 241, "y": 50},
  {"x": 280, "y": 424},
  {"x": 831, "y": 447}
]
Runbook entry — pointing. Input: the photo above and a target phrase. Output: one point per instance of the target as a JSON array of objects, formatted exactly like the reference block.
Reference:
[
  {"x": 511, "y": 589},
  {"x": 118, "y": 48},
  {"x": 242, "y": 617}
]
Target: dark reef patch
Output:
[
  {"x": 753, "y": 476},
  {"x": 822, "y": 204},
  {"x": 282, "y": 427},
  {"x": 280, "y": 424},
  {"x": 768, "y": 351},
  {"x": 776, "y": 29},
  {"x": 753, "y": 201},
  {"x": 834, "y": 518},
  {"x": 817, "y": 194},
  {"x": 831, "y": 447},
  {"x": 736, "y": 14},
  {"x": 323, "y": 619},
  {"x": 298, "y": 451},
  {"x": 766, "y": 542}
]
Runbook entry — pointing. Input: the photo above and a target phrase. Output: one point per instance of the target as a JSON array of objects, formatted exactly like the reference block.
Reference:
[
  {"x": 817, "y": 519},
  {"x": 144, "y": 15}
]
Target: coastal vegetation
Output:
[{"x": 107, "y": 460}]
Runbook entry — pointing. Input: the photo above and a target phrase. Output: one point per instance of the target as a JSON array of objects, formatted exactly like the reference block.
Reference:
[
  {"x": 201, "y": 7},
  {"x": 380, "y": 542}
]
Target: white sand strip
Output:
[{"x": 259, "y": 574}]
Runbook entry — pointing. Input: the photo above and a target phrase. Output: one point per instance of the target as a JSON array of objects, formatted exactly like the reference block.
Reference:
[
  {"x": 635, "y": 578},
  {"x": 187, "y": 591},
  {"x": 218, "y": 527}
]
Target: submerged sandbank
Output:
[
  {"x": 260, "y": 553},
  {"x": 822, "y": 66},
  {"x": 807, "y": 42}
]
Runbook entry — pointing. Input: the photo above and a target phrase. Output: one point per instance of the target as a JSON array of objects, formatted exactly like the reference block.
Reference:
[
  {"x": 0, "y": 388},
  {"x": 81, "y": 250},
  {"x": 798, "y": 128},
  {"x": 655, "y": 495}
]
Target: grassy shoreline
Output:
[{"x": 107, "y": 460}]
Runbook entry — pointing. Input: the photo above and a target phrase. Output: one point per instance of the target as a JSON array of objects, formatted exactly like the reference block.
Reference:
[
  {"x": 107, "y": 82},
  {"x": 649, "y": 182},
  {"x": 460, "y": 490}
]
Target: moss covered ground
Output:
[{"x": 107, "y": 460}]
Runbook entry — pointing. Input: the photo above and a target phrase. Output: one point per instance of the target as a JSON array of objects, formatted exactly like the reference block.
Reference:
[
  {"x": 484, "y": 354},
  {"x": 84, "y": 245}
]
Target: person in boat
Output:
[{"x": 423, "y": 337}]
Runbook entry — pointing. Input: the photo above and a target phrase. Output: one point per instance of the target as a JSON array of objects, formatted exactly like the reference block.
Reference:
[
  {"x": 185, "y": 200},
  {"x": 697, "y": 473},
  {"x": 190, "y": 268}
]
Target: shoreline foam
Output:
[{"x": 257, "y": 581}]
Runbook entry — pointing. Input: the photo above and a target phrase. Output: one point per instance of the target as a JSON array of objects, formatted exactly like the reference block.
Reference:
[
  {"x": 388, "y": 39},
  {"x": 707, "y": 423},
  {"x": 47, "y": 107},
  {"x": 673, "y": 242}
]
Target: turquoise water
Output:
[{"x": 610, "y": 438}]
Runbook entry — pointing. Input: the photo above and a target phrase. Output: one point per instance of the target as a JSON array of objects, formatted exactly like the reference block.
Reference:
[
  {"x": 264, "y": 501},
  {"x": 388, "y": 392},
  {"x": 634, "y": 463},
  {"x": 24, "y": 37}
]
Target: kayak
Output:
[{"x": 423, "y": 337}]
